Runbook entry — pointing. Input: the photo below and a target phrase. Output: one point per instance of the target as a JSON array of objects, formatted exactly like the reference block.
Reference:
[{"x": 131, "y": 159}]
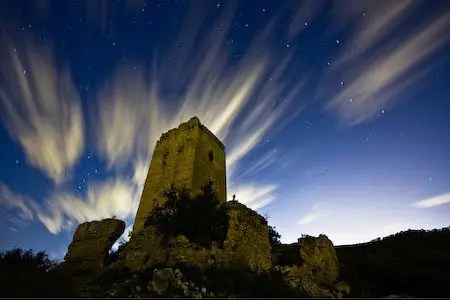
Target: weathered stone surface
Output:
[
  {"x": 163, "y": 281},
  {"x": 318, "y": 254},
  {"x": 189, "y": 156},
  {"x": 247, "y": 241},
  {"x": 145, "y": 249},
  {"x": 182, "y": 251},
  {"x": 301, "y": 280},
  {"x": 92, "y": 242}
]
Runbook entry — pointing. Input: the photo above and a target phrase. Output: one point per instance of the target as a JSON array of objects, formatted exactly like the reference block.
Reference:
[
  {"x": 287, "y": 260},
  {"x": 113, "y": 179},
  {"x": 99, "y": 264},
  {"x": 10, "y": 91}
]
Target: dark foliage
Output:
[
  {"x": 198, "y": 218},
  {"x": 274, "y": 236},
  {"x": 30, "y": 274},
  {"x": 415, "y": 262}
]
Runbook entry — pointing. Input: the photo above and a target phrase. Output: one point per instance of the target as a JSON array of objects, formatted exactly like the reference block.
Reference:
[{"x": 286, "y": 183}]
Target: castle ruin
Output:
[{"x": 188, "y": 156}]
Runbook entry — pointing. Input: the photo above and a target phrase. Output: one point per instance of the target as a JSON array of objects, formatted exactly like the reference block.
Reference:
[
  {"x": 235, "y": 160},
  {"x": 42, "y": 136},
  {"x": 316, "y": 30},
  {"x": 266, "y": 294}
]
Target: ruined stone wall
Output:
[
  {"x": 92, "y": 242},
  {"x": 182, "y": 157},
  {"x": 247, "y": 241}
]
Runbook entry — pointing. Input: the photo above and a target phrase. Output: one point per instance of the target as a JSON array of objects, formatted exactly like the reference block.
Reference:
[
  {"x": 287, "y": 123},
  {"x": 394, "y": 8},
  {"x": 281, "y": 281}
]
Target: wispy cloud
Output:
[
  {"x": 373, "y": 81},
  {"x": 372, "y": 22},
  {"x": 433, "y": 201},
  {"x": 249, "y": 97},
  {"x": 10, "y": 199},
  {"x": 111, "y": 198},
  {"x": 306, "y": 12},
  {"x": 317, "y": 212},
  {"x": 40, "y": 108},
  {"x": 255, "y": 196}
]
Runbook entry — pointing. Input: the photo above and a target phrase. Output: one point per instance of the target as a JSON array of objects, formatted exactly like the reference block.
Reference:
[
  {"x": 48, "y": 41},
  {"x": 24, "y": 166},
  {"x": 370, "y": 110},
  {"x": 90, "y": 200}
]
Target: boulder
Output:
[
  {"x": 318, "y": 255},
  {"x": 247, "y": 241},
  {"x": 91, "y": 243}
]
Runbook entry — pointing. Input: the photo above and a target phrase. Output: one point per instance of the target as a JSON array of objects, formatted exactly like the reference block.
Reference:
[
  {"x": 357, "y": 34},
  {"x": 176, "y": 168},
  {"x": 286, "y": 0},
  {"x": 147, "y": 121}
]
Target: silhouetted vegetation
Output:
[
  {"x": 30, "y": 274},
  {"x": 198, "y": 218},
  {"x": 274, "y": 236},
  {"x": 414, "y": 262}
]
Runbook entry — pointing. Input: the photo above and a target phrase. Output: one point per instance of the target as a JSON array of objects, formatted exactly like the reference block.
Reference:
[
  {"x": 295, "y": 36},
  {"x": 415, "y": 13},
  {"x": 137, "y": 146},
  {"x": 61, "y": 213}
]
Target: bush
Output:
[
  {"x": 30, "y": 274},
  {"x": 198, "y": 218}
]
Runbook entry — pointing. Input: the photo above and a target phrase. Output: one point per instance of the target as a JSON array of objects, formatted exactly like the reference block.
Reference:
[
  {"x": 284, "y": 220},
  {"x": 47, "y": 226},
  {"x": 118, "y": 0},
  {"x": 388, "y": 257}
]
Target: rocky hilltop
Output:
[
  {"x": 188, "y": 240},
  {"x": 160, "y": 262}
]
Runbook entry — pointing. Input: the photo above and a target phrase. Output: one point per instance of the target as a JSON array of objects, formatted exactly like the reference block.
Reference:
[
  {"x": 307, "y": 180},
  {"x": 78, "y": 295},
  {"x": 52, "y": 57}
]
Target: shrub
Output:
[{"x": 199, "y": 218}]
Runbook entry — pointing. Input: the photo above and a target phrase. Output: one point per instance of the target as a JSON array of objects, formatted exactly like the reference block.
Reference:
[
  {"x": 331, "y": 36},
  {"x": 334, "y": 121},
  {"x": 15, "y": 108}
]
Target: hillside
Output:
[{"x": 413, "y": 262}]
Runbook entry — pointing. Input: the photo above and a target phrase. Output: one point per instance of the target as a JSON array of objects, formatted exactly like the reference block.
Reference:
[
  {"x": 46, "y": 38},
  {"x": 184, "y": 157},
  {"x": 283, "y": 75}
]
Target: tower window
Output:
[{"x": 210, "y": 156}]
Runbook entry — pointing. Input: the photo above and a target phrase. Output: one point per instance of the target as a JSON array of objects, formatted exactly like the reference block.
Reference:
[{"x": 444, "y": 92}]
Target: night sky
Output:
[{"x": 335, "y": 114}]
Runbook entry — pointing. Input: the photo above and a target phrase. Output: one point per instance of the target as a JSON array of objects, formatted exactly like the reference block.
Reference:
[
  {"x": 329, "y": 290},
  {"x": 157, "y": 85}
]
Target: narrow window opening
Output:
[{"x": 210, "y": 155}]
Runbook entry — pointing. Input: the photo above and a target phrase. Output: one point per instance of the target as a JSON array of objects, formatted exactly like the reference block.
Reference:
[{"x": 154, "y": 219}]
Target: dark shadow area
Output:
[
  {"x": 414, "y": 262},
  {"x": 31, "y": 274}
]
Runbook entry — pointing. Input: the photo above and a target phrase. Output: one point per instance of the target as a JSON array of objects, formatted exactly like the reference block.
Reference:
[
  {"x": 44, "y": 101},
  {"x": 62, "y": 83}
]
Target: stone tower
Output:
[{"x": 189, "y": 156}]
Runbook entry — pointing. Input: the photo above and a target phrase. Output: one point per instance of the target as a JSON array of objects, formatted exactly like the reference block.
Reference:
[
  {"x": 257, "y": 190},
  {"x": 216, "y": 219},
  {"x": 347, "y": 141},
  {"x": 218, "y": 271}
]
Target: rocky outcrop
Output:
[
  {"x": 91, "y": 243},
  {"x": 247, "y": 241},
  {"x": 318, "y": 255},
  {"x": 145, "y": 250},
  {"x": 310, "y": 267}
]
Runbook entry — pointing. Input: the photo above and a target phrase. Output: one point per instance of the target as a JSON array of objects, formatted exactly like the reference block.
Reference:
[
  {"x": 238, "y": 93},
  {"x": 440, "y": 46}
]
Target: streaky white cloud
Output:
[
  {"x": 12, "y": 200},
  {"x": 310, "y": 217},
  {"x": 375, "y": 85},
  {"x": 40, "y": 108},
  {"x": 381, "y": 19},
  {"x": 433, "y": 201},
  {"x": 262, "y": 163},
  {"x": 255, "y": 196},
  {"x": 304, "y": 15},
  {"x": 111, "y": 198},
  {"x": 244, "y": 97},
  {"x": 318, "y": 211}
]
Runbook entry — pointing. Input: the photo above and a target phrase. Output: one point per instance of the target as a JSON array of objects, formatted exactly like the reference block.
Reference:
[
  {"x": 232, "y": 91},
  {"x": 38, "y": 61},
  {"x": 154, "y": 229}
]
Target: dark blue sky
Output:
[{"x": 335, "y": 114}]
